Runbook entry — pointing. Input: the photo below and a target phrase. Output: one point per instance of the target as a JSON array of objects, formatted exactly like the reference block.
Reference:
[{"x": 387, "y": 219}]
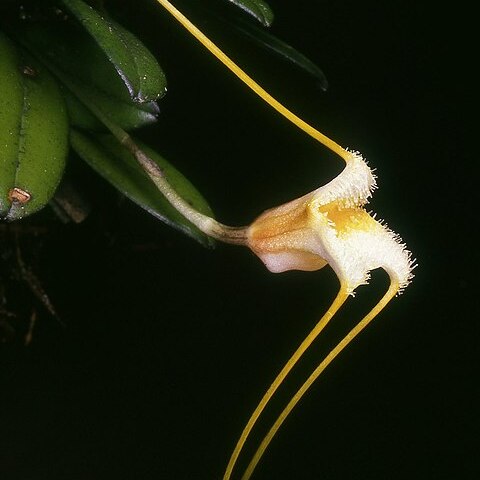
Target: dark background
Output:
[{"x": 168, "y": 346}]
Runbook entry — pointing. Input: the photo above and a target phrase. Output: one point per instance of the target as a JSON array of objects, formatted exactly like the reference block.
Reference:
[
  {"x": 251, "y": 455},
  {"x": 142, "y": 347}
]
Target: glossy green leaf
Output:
[
  {"x": 66, "y": 46},
  {"x": 33, "y": 133},
  {"x": 257, "y": 8},
  {"x": 135, "y": 65},
  {"x": 125, "y": 115},
  {"x": 105, "y": 155}
]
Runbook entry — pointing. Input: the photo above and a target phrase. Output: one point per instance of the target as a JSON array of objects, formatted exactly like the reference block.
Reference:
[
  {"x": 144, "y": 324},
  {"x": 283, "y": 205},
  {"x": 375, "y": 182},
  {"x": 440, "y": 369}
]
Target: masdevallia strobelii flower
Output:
[{"x": 329, "y": 226}]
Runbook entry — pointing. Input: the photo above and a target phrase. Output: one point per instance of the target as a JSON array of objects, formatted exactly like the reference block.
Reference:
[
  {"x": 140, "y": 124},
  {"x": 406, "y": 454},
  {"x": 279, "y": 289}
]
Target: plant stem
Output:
[{"x": 208, "y": 225}]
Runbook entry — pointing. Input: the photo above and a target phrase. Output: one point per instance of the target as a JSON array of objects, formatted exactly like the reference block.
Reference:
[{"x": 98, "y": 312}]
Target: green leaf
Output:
[
  {"x": 135, "y": 65},
  {"x": 113, "y": 162},
  {"x": 257, "y": 8},
  {"x": 232, "y": 21},
  {"x": 270, "y": 42},
  {"x": 125, "y": 115},
  {"x": 66, "y": 46},
  {"x": 33, "y": 133}
]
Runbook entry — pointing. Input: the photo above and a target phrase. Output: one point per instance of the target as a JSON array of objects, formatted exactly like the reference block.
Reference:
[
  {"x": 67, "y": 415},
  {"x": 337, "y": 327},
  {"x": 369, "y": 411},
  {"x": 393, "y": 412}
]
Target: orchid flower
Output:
[{"x": 328, "y": 226}]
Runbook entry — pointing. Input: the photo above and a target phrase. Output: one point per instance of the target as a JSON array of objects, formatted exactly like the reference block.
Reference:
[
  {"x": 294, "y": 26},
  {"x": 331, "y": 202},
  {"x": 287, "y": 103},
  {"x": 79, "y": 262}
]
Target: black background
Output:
[{"x": 169, "y": 346}]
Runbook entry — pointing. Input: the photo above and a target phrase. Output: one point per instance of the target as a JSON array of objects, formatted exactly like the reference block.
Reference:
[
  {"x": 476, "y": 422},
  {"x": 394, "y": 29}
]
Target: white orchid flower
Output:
[{"x": 328, "y": 226}]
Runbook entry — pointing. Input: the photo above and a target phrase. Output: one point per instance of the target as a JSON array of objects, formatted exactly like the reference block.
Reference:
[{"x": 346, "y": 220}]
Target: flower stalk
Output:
[{"x": 206, "y": 224}]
